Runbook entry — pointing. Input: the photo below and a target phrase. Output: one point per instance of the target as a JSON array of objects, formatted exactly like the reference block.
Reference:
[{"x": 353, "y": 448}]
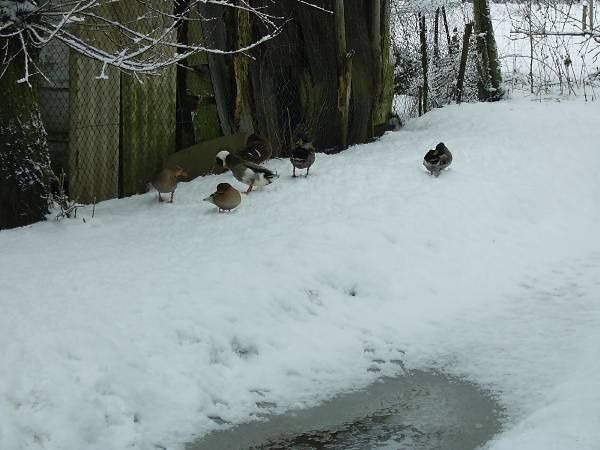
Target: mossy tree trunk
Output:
[
  {"x": 383, "y": 69},
  {"x": 25, "y": 172},
  {"x": 344, "y": 68},
  {"x": 328, "y": 74},
  {"x": 491, "y": 79}
]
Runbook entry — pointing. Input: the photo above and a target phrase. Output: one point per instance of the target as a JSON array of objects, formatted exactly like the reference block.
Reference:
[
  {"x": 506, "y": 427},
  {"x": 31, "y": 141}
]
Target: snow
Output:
[
  {"x": 134, "y": 328},
  {"x": 550, "y": 52}
]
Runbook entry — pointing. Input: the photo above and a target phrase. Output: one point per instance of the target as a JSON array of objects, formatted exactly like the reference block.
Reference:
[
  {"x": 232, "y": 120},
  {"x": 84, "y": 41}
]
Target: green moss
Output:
[
  {"x": 147, "y": 128},
  {"x": 24, "y": 157},
  {"x": 206, "y": 123}
]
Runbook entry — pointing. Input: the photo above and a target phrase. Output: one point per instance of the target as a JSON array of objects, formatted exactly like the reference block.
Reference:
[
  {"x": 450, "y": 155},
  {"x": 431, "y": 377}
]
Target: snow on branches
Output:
[{"x": 136, "y": 36}]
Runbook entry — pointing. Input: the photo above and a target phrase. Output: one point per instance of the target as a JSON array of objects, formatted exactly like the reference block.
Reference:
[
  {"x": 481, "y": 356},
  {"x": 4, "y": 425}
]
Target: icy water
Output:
[{"x": 423, "y": 411}]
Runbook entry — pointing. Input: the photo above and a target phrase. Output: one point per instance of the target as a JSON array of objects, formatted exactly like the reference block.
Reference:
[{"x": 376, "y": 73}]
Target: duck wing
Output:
[
  {"x": 257, "y": 168},
  {"x": 432, "y": 157},
  {"x": 252, "y": 154}
]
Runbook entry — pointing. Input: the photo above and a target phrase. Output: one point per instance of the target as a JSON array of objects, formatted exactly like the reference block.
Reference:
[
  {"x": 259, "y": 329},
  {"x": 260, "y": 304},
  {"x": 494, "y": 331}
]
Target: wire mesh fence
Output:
[
  {"x": 427, "y": 43},
  {"x": 108, "y": 131}
]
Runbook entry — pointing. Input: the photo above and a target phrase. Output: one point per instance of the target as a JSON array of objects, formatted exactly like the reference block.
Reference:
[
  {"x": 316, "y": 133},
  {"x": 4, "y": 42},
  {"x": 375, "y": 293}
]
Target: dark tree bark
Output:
[
  {"x": 326, "y": 74},
  {"x": 344, "y": 68},
  {"x": 490, "y": 82},
  {"x": 25, "y": 172},
  {"x": 447, "y": 29},
  {"x": 463, "y": 62},
  {"x": 436, "y": 32},
  {"x": 218, "y": 33}
]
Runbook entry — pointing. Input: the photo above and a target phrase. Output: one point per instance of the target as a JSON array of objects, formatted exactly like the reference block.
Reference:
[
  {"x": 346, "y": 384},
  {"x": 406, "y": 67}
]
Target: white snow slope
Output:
[{"x": 130, "y": 330}]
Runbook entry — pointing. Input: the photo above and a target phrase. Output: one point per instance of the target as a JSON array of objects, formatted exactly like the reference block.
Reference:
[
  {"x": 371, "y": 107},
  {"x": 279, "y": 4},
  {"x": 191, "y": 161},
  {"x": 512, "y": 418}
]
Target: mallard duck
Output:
[
  {"x": 245, "y": 171},
  {"x": 257, "y": 150},
  {"x": 226, "y": 197},
  {"x": 165, "y": 181},
  {"x": 303, "y": 155},
  {"x": 437, "y": 160}
]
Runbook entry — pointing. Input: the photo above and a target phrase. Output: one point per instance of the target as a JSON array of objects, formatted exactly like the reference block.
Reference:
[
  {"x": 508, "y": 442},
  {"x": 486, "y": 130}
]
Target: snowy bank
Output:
[{"x": 135, "y": 328}]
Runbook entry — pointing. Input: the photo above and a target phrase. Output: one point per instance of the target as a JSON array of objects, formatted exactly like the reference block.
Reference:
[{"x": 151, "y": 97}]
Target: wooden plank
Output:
[
  {"x": 148, "y": 111},
  {"x": 148, "y": 127},
  {"x": 94, "y": 131}
]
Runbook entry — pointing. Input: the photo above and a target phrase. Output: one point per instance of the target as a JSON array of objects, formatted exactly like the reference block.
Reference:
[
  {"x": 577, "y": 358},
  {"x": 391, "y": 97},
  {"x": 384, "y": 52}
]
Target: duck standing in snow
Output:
[
  {"x": 257, "y": 150},
  {"x": 303, "y": 155},
  {"x": 245, "y": 171},
  {"x": 165, "y": 181},
  {"x": 226, "y": 197},
  {"x": 437, "y": 160}
]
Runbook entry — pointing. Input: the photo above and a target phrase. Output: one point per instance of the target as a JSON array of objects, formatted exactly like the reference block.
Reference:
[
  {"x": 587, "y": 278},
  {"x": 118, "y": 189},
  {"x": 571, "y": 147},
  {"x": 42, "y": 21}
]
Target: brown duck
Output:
[
  {"x": 165, "y": 181},
  {"x": 226, "y": 197}
]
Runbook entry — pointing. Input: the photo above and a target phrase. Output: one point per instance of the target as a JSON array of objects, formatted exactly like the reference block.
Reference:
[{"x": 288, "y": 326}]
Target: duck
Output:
[
  {"x": 245, "y": 171},
  {"x": 257, "y": 150},
  {"x": 226, "y": 197},
  {"x": 165, "y": 181},
  {"x": 303, "y": 154},
  {"x": 437, "y": 160}
]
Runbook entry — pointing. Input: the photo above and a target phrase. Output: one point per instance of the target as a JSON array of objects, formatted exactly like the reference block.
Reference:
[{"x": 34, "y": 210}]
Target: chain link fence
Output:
[
  {"x": 418, "y": 86},
  {"x": 108, "y": 131}
]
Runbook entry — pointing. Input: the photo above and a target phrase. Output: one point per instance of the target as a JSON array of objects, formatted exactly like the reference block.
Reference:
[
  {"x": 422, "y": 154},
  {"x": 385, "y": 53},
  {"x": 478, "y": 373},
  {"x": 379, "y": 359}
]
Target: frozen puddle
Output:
[{"x": 416, "y": 412}]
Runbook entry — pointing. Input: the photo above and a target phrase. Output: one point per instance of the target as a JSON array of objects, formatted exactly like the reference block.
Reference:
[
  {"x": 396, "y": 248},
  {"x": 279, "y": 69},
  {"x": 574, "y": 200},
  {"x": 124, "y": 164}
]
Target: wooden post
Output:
[
  {"x": 424, "y": 63},
  {"x": 591, "y": 14},
  {"x": 375, "y": 22},
  {"x": 242, "y": 115},
  {"x": 584, "y": 18},
  {"x": 344, "y": 66},
  {"x": 463, "y": 61}
]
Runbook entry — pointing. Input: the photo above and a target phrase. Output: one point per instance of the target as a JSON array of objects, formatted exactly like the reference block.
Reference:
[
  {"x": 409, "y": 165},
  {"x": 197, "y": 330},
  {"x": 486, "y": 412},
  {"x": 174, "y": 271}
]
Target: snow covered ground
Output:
[{"x": 131, "y": 330}]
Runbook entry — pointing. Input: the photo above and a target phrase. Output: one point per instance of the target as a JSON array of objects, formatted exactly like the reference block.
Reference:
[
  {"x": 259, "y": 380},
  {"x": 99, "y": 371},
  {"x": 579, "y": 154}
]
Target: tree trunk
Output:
[
  {"x": 219, "y": 33},
  {"x": 436, "y": 31},
  {"x": 424, "y": 61},
  {"x": 344, "y": 67},
  {"x": 490, "y": 89},
  {"x": 382, "y": 103},
  {"x": 25, "y": 172},
  {"x": 243, "y": 111},
  {"x": 328, "y": 75},
  {"x": 463, "y": 62},
  {"x": 375, "y": 23},
  {"x": 447, "y": 30}
]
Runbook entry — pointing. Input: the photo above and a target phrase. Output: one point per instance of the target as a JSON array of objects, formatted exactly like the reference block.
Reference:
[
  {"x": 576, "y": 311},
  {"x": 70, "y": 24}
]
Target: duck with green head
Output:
[
  {"x": 303, "y": 154},
  {"x": 438, "y": 159}
]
